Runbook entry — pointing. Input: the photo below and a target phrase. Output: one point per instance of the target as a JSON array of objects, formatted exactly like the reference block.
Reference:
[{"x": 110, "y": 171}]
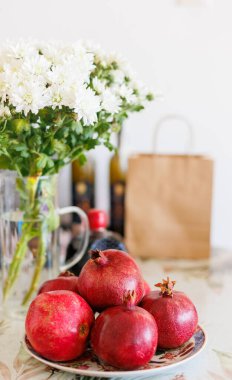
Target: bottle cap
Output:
[{"x": 97, "y": 219}]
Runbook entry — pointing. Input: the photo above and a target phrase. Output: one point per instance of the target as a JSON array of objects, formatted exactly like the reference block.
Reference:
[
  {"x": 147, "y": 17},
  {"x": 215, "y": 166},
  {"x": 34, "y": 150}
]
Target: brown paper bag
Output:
[{"x": 168, "y": 206}]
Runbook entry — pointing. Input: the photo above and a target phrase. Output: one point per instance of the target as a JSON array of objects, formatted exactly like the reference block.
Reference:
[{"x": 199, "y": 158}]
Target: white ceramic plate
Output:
[{"x": 163, "y": 360}]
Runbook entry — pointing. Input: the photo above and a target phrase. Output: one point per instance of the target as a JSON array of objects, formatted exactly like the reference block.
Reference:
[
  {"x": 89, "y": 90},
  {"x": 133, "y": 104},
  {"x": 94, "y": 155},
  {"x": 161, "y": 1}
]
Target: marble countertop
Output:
[{"x": 208, "y": 283}]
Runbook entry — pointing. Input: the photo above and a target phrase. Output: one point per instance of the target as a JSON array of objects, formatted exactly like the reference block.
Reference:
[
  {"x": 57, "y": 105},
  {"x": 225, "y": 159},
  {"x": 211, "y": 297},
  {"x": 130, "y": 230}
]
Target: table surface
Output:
[{"x": 208, "y": 283}]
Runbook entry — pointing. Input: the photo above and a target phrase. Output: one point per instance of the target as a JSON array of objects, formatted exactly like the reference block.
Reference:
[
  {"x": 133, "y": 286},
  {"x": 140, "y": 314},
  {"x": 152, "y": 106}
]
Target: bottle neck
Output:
[
  {"x": 98, "y": 234},
  {"x": 119, "y": 139},
  {"x": 100, "y": 229}
]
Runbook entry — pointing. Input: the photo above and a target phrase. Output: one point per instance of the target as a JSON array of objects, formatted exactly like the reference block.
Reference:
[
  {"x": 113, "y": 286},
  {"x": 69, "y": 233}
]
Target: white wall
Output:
[{"x": 185, "y": 52}]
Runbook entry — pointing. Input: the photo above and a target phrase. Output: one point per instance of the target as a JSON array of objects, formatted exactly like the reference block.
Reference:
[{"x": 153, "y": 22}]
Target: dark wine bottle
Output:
[
  {"x": 100, "y": 238},
  {"x": 83, "y": 185},
  {"x": 117, "y": 191}
]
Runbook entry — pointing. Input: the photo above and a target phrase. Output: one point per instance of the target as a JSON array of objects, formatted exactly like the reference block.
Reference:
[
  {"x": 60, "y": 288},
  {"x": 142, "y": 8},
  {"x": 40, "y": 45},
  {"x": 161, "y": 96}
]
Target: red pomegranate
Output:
[
  {"x": 125, "y": 336},
  {"x": 174, "y": 312},
  {"x": 58, "y": 325},
  {"x": 65, "y": 281},
  {"x": 147, "y": 288},
  {"x": 106, "y": 277}
]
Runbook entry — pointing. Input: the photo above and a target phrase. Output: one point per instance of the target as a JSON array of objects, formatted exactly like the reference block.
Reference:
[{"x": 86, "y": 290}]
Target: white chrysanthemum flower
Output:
[
  {"x": 63, "y": 75},
  {"x": 19, "y": 50},
  {"x": 61, "y": 95},
  {"x": 110, "y": 102},
  {"x": 70, "y": 74},
  {"x": 118, "y": 76},
  {"x": 28, "y": 97},
  {"x": 36, "y": 65},
  {"x": 92, "y": 48},
  {"x": 99, "y": 55},
  {"x": 35, "y": 125},
  {"x": 35, "y": 75},
  {"x": 83, "y": 61},
  {"x": 4, "y": 87},
  {"x": 139, "y": 87},
  {"x": 52, "y": 53},
  {"x": 55, "y": 97},
  {"x": 4, "y": 111},
  {"x": 10, "y": 74},
  {"x": 128, "y": 71},
  {"x": 127, "y": 93},
  {"x": 87, "y": 105},
  {"x": 141, "y": 90},
  {"x": 99, "y": 85},
  {"x": 114, "y": 57}
]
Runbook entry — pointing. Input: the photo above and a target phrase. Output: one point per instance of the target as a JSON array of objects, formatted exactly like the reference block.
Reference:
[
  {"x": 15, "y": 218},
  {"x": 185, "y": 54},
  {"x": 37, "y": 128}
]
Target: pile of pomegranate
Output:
[{"x": 111, "y": 307}]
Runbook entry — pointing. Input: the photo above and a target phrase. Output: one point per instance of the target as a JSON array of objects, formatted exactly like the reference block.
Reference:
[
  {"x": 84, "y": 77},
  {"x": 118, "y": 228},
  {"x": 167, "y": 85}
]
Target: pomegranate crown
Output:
[
  {"x": 166, "y": 287},
  {"x": 128, "y": 298},
  {"x": 98, "y": 256}
]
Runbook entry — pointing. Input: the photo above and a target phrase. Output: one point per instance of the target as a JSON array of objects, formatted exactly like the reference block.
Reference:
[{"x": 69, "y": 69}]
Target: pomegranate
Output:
[
  {"x": 174, "y": 312},
  {"x": 65, "y": 281},
  {"x": 58, "y": 325},
  {"x": 125, "y": 336},
  {"x": 106, "y": 277},
  {"x": 147, "y": 288}
]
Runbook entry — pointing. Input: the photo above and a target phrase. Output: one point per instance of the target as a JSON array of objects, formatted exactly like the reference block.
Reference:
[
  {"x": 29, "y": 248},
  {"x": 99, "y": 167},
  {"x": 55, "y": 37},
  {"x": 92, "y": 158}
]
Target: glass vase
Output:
[{"x": 29, "y": 237}]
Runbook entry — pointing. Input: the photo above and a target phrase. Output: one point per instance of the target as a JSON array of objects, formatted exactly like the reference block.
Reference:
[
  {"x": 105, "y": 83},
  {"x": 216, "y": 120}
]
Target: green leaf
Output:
[
  {"x": 137, "y": 108},
  {"x": 75, "y": 153},
  {"x": 77, "y": 127},
  {"x": 116, "y": 127},
  {"x": 50, "y": 162},
  {"x": 102, "y": 128},
  {"x": 91, "y": 143},
  {"x": 150, "y": 97},
  {"x": 35, "y": 141},
  {"x": 87, "y": 132},
  {"x": 61, "y": 133},
  {"x": 5, "y": 163},
  {"x": 82, "y": 159},
  {"x": 109, "y": 145},
  {"x": 73, "y": 140},
  {"x": 41, "y": 161},
  {"x": 19, "y": 147},
  {"x": 20, "y": 125},
  {"x": 25, "y": 154},
  {"x": 59, "y": 147}
]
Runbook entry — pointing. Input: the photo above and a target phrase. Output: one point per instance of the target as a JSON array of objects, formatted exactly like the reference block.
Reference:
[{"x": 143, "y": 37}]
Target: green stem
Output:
[
  {"x": 39, "y": 219},
  {"x": 4, "y": 127},
  {"x": 40, "y": 260},
  {"x": 17, "y": 260}
]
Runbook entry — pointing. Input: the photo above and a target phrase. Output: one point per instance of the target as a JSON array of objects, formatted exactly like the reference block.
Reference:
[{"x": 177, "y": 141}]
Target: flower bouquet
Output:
[{"x": 57, "y": 101}]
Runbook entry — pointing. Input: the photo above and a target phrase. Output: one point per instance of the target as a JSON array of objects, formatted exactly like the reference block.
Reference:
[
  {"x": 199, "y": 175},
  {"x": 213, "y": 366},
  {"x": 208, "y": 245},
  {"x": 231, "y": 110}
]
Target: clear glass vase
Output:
[{"x": 29, "y": 237}]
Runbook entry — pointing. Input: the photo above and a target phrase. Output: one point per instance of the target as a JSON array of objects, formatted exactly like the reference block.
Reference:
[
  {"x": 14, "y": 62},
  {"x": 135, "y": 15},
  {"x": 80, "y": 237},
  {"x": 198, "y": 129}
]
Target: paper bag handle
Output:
[{"x": 189, "y": 128}]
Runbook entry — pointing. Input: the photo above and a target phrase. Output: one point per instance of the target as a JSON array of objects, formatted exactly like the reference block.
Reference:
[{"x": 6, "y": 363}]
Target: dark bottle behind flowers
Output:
[
  {"x": 100, "y": 238},
  {"x": 83, "y": 185},
  {"x": 117, "y": 190}
]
